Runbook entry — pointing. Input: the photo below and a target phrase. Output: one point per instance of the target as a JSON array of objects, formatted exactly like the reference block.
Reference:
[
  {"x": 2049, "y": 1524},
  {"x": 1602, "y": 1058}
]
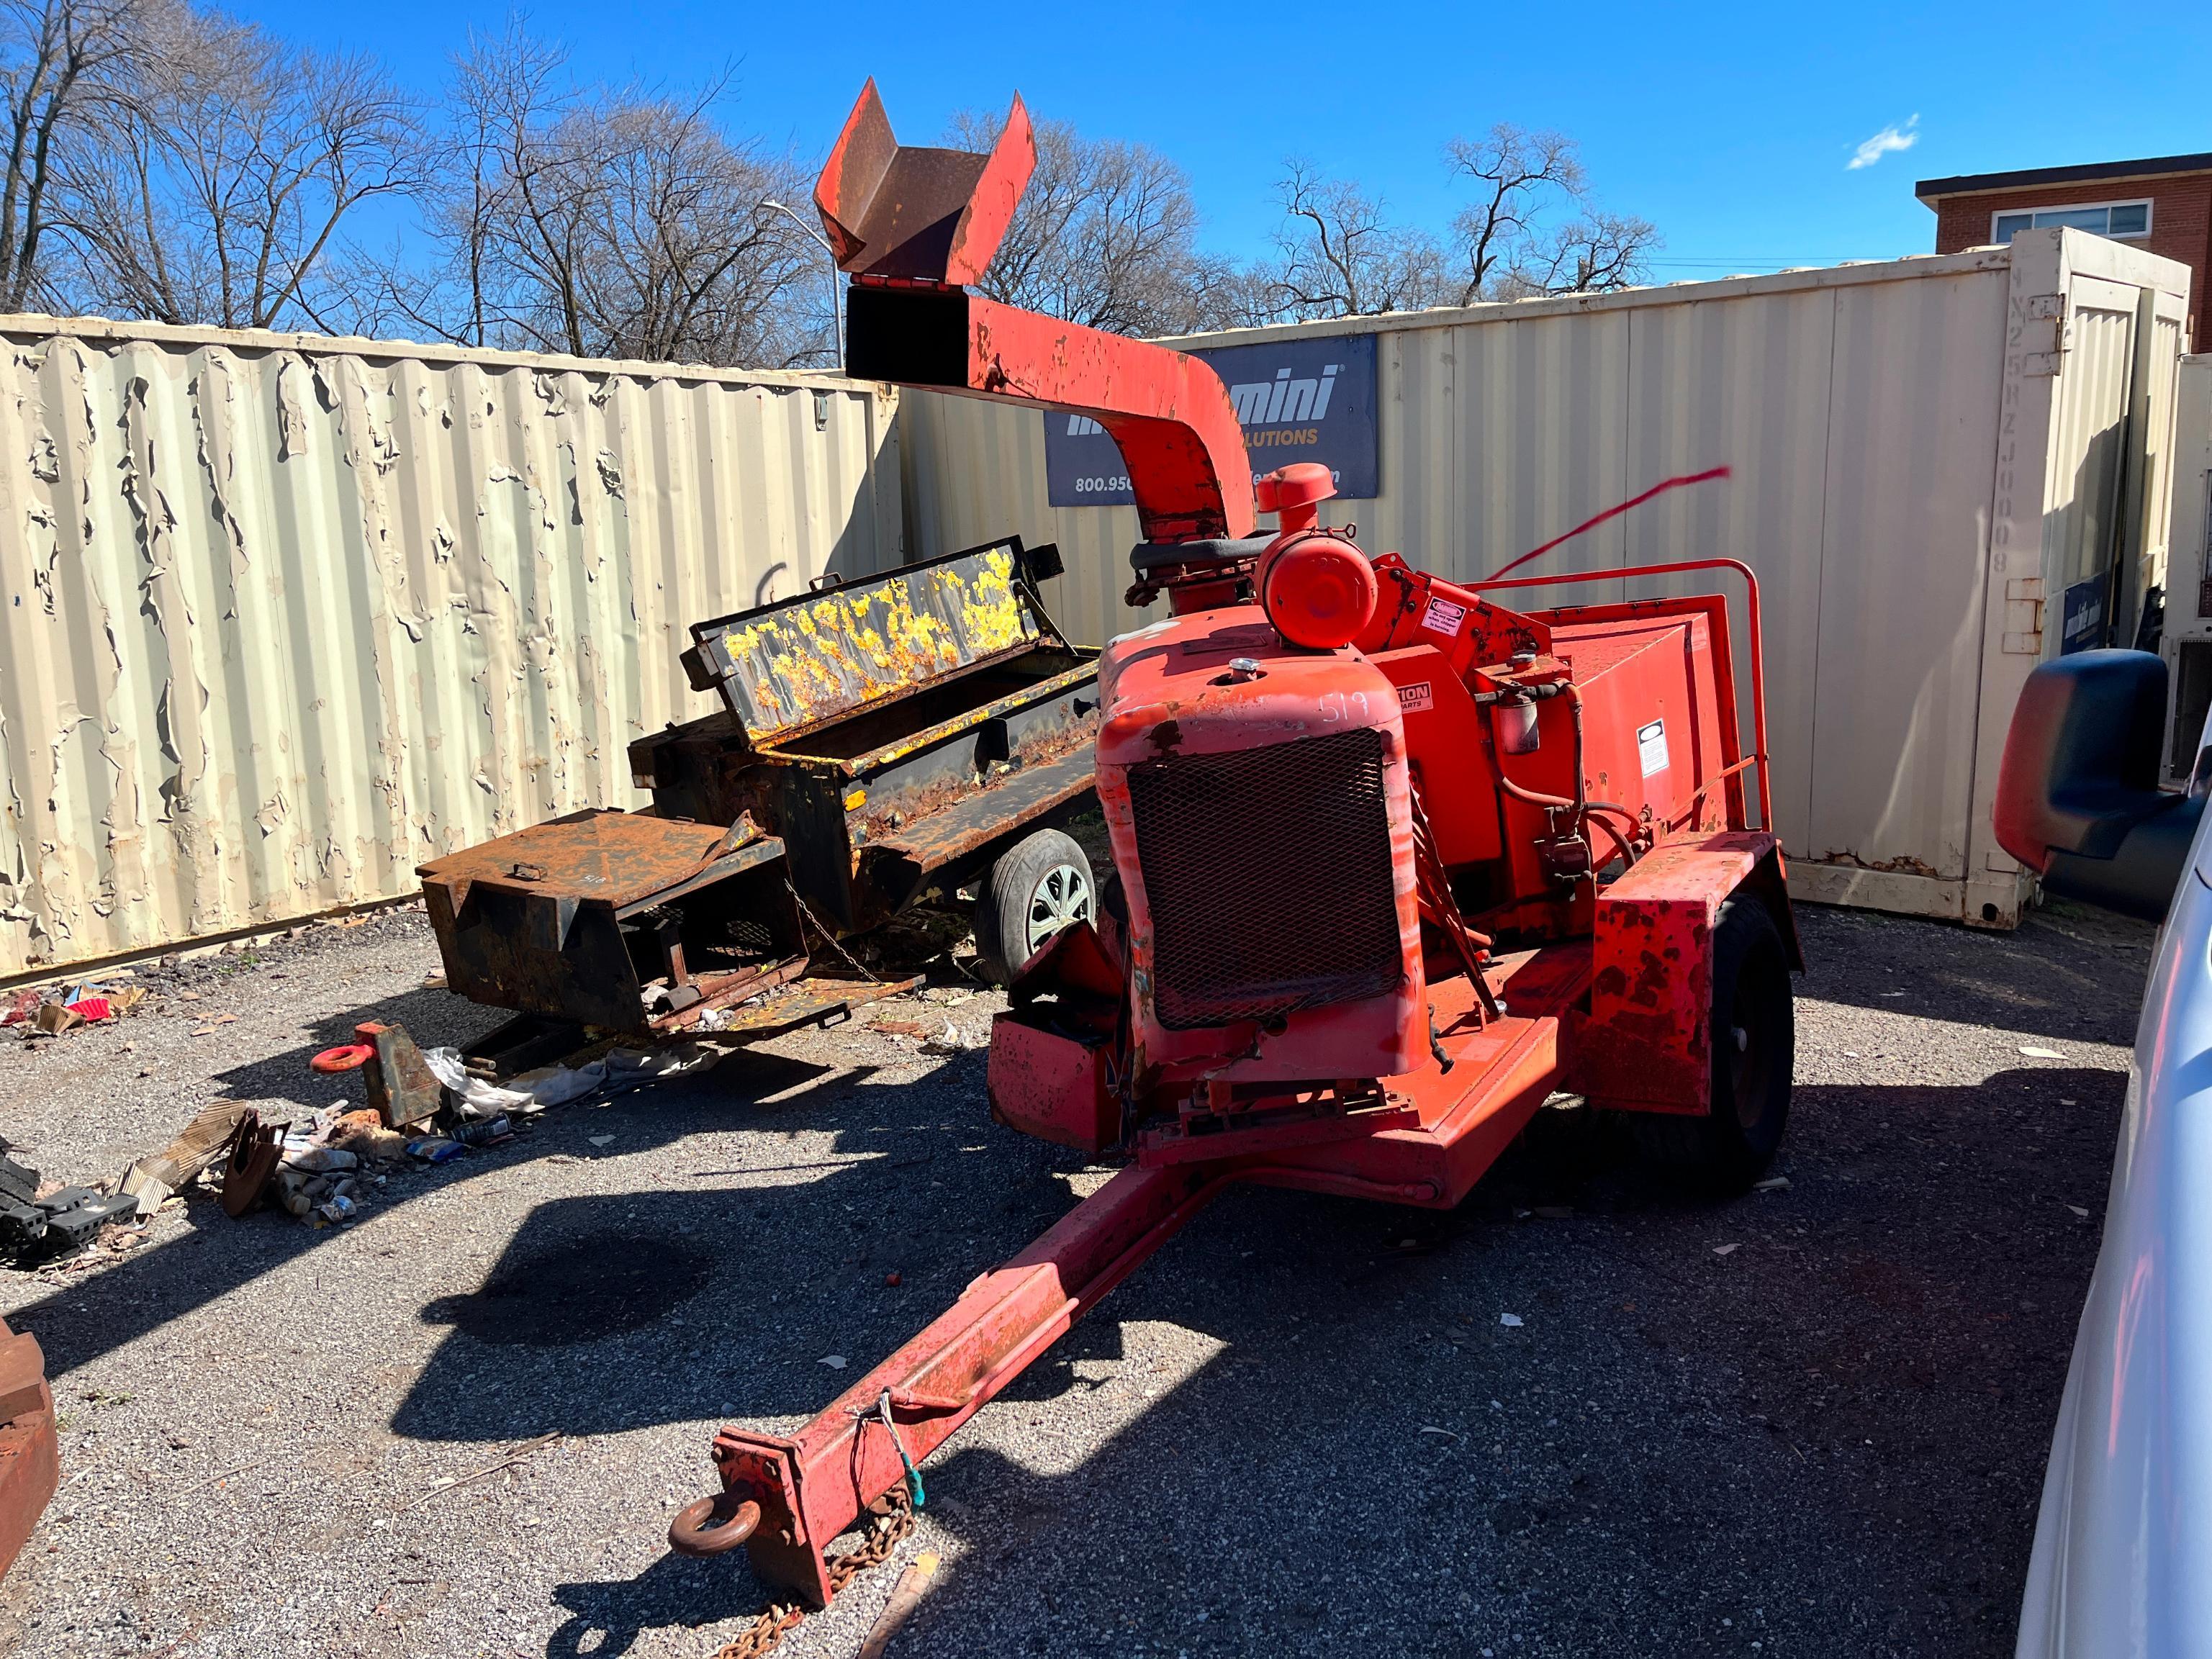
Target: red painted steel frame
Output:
[
  {"x": 1757, "y": 654},
  {"x": 813, "y": 1485},
  {"x": 1647, "y": 1044},
  {"x": 1434, "y": 1129}
]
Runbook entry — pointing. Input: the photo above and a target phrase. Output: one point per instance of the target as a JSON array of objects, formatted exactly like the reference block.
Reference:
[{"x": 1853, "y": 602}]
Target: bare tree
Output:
[
  {"x": 1593, "y": 253},
  {"x": 215, "y": 187},
  {"x": 1505, "y": 246},
  {"x": 1225, "y": 293},
  {"x": 504, "y": 93},
  {"x": 1516, "y": 174},
  {"x": 1340, "y": 257},
  {"x": 602, "y": 223},
  {"x": 60, "y": 60}
]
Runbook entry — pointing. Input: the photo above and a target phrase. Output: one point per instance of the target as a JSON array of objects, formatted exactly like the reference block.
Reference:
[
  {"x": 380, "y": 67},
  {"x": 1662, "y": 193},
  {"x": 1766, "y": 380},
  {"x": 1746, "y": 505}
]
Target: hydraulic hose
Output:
[{"x": 1582, "y": 806}]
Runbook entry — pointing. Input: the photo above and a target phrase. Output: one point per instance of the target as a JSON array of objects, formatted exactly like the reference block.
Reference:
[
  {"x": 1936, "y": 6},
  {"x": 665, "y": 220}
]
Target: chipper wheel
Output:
[
  {"x": 1038, "y": 887},
  {"x": 1754, "y": 1053}
]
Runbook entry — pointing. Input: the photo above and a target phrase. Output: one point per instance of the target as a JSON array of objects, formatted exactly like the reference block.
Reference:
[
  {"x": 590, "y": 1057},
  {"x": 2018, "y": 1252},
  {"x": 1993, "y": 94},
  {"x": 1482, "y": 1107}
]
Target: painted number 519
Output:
[{"x": 1337, "y": 706}]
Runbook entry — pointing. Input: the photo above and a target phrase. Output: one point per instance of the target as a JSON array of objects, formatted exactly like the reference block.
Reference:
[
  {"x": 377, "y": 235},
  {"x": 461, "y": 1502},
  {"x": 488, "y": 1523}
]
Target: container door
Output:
[
  {"x": 2086, "y": 521},
  {"x": 2084, "y": 471},
  {"x": 2185, "y": 635}
]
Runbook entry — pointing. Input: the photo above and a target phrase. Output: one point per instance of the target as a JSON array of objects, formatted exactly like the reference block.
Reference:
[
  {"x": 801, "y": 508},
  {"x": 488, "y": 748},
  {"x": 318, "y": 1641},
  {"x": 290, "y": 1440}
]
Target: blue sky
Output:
[{"x": 1731, "y": 128}]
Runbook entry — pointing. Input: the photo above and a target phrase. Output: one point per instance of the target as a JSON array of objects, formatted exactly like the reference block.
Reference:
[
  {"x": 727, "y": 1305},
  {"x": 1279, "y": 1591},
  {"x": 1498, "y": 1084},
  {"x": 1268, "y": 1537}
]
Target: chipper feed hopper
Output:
[{"x": 1394, "y": 864}]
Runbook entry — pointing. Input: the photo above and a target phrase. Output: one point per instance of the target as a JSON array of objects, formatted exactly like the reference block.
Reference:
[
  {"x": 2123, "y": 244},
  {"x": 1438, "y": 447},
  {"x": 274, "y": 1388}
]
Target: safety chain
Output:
[
  {"x": 828, "y": 939},
  {"x": 885, "y": 1534}
]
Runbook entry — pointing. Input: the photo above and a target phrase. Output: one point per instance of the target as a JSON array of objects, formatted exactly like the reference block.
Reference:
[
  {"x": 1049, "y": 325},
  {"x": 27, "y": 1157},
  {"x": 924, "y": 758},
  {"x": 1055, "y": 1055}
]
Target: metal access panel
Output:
[{"x": 790, "y": 667}]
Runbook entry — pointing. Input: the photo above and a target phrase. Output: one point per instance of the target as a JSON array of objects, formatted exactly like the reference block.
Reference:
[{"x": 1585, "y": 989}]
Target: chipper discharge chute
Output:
[{"x": 1394, "y": 863}]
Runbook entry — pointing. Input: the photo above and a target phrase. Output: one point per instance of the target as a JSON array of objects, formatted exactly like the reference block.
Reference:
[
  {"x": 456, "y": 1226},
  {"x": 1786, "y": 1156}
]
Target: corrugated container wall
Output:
[
  {"x": 284, "y": 616},
  {"x": 1861, "y": 409}
]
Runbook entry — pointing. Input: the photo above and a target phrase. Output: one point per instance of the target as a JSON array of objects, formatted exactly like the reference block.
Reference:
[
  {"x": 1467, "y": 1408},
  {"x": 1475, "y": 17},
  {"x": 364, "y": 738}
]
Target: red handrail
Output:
[{"x": 1758, "y": 653}]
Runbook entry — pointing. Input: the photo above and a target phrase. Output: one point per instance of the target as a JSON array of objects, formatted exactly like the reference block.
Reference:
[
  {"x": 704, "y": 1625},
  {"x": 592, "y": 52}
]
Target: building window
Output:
[{"x": 2125, "y": 220}]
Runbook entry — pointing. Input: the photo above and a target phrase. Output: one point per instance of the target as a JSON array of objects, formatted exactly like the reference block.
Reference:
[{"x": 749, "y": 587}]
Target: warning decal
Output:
[
  {"x": 1442, "y": 617},
  {"x": 1652, "y": 747}
]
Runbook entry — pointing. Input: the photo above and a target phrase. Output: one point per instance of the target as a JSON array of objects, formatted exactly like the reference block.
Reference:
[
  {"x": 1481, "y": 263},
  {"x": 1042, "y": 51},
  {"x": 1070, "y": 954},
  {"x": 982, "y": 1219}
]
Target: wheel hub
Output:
[{"x": 1061, "y": 897}]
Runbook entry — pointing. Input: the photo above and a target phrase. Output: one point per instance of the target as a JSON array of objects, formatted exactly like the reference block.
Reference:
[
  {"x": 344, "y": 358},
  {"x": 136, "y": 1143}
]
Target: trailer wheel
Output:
[
  {"x": 1038, "y": 887},
  {"x": 1754, "y": 1043}
]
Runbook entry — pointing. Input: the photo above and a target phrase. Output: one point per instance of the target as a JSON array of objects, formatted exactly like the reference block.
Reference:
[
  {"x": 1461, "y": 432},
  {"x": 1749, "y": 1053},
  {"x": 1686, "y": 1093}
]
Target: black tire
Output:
[
  {"x": 1038, "y": 887},
  {"x": 1754, "y": 1043}
]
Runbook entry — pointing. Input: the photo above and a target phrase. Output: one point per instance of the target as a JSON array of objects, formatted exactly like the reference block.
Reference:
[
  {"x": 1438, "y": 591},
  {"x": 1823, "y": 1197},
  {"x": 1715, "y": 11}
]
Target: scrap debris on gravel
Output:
[{"x": 1584, "y": 1412}]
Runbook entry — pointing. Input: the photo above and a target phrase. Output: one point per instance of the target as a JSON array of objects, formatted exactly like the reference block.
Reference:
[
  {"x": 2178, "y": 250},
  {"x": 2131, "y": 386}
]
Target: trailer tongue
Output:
[{"x": 1394, "y": 864}]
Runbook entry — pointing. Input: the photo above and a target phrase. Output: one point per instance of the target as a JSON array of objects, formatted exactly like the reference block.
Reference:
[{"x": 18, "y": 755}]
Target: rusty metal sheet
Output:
[
  {"x": 623, "y": 921},
  {"x": 799, "y": 664},
  {"x": 895, "y": 209},
  {"x": 962, "y": 819},
  {"x": 817, "y": 999},
  {"x": 602, "y": 857},
  {"x": 30, "y": 1465}
]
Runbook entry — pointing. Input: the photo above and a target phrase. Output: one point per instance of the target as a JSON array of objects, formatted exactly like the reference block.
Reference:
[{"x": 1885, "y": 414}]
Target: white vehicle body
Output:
[{"x": 2122, "y": 1557}]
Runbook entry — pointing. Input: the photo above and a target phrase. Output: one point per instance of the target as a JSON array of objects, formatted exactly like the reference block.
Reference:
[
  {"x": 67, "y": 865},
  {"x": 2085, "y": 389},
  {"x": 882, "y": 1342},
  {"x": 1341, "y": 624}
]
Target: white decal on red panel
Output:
[
  {"x": 1417, "y": 698},
  {"x": 1442, "y": 617}
]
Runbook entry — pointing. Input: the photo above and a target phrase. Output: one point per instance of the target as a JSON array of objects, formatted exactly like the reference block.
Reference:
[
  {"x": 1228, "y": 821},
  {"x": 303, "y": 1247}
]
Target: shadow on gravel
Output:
[
  {"x": 1819, "y": 1414},
  {"x": 753, "y": 1287},
  {"x": 2037, "y": 978},
  {"x": 80, "y": 1320},
  {"x": 606, "y": 1617},
  {"x": 434, "y": 1016}
]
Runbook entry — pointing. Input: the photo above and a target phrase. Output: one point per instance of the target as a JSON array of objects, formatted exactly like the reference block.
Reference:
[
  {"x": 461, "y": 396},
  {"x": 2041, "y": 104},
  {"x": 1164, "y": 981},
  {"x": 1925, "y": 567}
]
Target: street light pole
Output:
[{"x": 836, "y": 288}]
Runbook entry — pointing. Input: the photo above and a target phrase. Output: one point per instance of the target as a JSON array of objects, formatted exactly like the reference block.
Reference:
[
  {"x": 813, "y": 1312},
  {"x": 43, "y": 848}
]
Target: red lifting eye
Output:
[
  {"x": 349, "y": 1058},
  {"x": 1319, "y": 592}
]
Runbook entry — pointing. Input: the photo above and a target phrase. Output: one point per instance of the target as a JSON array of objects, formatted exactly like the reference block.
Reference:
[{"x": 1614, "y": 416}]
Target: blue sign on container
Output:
[
  {"x": 1297, "y": 400},
  {"x": 2082, "y": 625}
]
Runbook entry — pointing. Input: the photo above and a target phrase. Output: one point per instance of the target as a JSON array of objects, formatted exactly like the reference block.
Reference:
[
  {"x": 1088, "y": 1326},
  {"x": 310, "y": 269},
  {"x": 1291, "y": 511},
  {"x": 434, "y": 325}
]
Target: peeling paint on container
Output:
[{"x": 282, "y": 616}]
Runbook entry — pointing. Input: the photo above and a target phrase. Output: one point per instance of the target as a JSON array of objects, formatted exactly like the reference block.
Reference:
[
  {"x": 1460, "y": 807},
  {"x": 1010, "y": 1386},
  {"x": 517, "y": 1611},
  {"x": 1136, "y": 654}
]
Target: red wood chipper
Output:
[{"x": 1394, "y": 864}]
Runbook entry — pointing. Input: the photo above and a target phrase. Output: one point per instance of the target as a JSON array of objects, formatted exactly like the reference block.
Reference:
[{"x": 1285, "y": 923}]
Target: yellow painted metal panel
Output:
[
  {"x": 281, "y": 617},
  {"x": 822, "y": 658}
]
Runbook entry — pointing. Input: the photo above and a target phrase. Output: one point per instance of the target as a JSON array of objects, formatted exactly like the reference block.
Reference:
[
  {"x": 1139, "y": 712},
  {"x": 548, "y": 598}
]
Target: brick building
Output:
[{"x": 2163, "y": 203}]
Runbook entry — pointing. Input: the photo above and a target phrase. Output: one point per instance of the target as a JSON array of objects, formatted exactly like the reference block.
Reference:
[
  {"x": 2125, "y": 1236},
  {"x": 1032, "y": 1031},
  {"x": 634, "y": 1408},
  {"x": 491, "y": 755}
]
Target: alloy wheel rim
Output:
[{"x": 1062, "y": 896}]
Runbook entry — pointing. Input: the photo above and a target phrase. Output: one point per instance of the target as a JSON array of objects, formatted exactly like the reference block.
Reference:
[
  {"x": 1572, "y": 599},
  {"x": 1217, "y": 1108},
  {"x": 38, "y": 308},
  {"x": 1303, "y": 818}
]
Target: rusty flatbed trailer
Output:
[{"x": 882, "y": 743}]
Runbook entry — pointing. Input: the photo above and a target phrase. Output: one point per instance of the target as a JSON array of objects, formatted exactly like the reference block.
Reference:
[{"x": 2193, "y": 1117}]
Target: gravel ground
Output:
[{"x": 1810, "y": 1421}]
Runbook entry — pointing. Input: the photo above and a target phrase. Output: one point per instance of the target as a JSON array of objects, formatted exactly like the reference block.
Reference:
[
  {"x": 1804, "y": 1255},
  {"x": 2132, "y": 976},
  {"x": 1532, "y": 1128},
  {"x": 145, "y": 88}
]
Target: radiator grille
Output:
[{"x": 1267, "y": 873}]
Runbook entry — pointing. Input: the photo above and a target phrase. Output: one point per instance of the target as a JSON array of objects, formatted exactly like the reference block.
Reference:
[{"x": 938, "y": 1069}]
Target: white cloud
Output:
[{"x": 1889, "y": 138}]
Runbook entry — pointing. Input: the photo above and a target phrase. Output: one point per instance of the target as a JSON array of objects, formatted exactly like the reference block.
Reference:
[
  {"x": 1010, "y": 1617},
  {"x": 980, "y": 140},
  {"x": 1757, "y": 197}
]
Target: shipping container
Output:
[
  {"x": 281, "y": 617},
  {"x": 1927, "y": 455}
]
